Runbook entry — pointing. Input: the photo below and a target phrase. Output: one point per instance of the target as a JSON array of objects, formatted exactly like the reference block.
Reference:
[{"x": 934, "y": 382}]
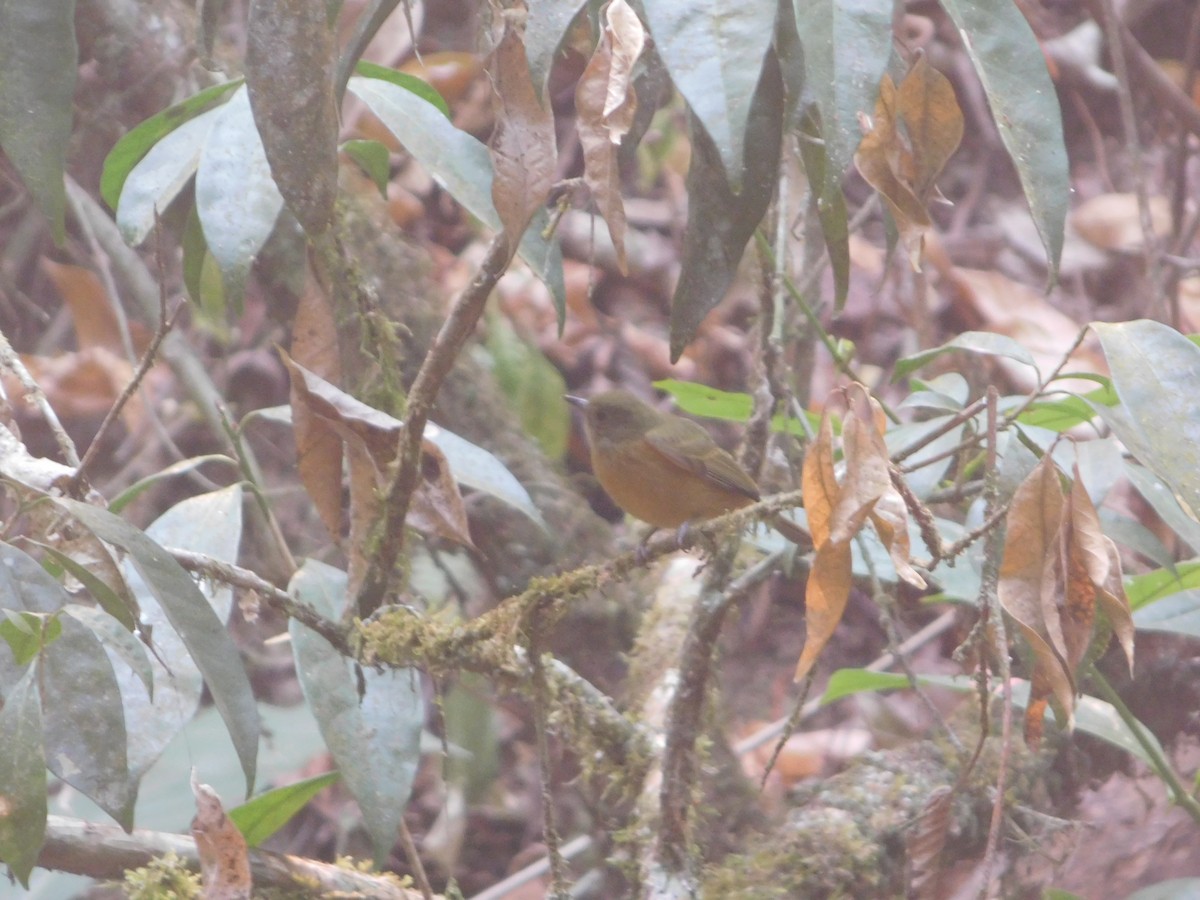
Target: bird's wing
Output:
[{"x": 687, "y": 445}]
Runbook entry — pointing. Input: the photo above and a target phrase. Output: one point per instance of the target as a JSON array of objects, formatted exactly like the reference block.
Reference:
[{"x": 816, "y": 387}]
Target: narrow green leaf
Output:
[
  {"x": 829, "y": 202},
  {"x": 410, "y": 83},
  {"x": 720, "y": 220},
  {"x": 122, "y": 608},
  {"x": 1155, "y": 371},
  {"x": 1151, "y": 586},
  {"x": 38, "y": 59},
  {"x": 462, "y": 164},
  {"x": 290, "y": 53},
  {"x": 261, "y": 817},
  {"x": 189, "y": 613},
  {"x": 115, "y": 638},
  {"x": 183, "y": 467},
  {"x": 27, "y": 633},
  {"x": 714, "y": 51},
  {"x": 1164, "y": 502},
  {"x": 236, "y": 196},
  {"x": 22, "y": 778},
  {"x": 375, "y": 739},
  {"x": 983, "y": 342},
  {"x": 1010, "y": 64},
  {"x": 130, "y": 149}
]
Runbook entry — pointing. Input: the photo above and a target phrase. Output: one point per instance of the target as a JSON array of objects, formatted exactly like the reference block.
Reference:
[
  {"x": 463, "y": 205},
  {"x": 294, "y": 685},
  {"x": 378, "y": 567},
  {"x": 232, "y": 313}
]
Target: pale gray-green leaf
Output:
[
  {"x": 1010, "y": 64},
  {"x": 1155, "y": 372},
  {"x": 160, "y": 175},
  {"x": 236, "y": 197},
  {"x": 714, "y": 51},
  {"x": 375, "y": 740}
]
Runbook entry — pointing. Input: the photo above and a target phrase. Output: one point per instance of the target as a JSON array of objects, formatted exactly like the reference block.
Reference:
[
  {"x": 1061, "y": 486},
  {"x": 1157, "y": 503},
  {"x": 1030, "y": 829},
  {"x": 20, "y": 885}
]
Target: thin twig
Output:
[
  {"x": 9, "y": 359},
  {"x": 164, "y": 327},
  {"x": 989, "y": 602},
  {"x": 458, "y": 327},
  {"x": 278, "y": 599},
  {"x": 414, "y": 860}
]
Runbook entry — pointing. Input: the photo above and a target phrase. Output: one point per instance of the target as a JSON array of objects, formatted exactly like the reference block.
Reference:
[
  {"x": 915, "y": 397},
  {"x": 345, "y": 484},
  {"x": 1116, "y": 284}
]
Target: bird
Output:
[{"x": 663, "y": 469}]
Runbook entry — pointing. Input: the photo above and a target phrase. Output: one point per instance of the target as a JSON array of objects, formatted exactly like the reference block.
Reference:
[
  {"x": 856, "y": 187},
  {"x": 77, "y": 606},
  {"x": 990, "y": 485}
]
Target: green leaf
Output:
[
  {"x": 1178, "y": 614},
  {"x": 1010, "y": 64},
  {"x": 84, "y": 722},
  {"x": 236, "y": 197},
  {"x": 545, "y": 31},
  {"x": 190, "y": 615},
  {"x": 714, "y": 51},
  {"x": 846, "y": 48},
  {"x": 160, "y": 175},
  {"x": 1172, "y": 889},
  {"x": 1155, "y": 371},
  {"x": 713, "y": 403},
  {"x": 1065, "y": 413},
  {"x": 27, "y": 633},
  {"x": 983, "y": 342},
  {"x": 375, "y": 739},
  {"x": 290, "y": 52},
  {"x": 130, "y": 149},
  {"x": 1151, "y": 586},
  {"x": 22, "y": 778},
  {"x": 720, "y": 220},
  {"x": 463, "y": 165},
  {"x": 38, "y": 59},
  {"x": 261, "y": 817},
  {"x": 410, "y": 83},
  {"x": 374, "y": 159}
]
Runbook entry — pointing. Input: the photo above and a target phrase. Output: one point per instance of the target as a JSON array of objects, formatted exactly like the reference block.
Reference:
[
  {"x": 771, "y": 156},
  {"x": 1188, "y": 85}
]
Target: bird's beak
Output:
[{"x": 581, "y": 402}]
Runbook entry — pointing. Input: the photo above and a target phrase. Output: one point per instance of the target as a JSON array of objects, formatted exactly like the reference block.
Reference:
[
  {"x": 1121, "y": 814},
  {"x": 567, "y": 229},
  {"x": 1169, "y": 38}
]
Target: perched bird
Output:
[{"x": 661, "y": 468}]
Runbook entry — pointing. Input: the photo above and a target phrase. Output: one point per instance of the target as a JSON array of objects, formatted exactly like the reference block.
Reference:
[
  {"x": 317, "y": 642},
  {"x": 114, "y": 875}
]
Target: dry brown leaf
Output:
[
  {"x": 92, "y": 314},
  {"x": 605, "y": 105},
  {"x": 825, "y": 597},
  {"x": 819, "y": 483},
  {"x": 916, "y": 129},
  {"x": 224, "y": 859},
  {"x": 890, "y": 518},
  {"x": 867, "y": 477},
  {"x": 318, "y": 448},
  {"x": 523, "y": 147},
  {"x": 314, "y": 331},
  {"x": 1030, "y": 572}
]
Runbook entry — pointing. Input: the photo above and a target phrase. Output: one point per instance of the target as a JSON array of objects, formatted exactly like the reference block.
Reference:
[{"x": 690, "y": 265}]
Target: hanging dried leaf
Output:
[
  {"x": 890, "y": 518},
  {"x": 866, "y": 456},
  {"x": 916, "y": 129},
  {"x": 829, "y": 580},
  {"x": 523, "y": 147},
  {"x": 819, "y": 483},
  {"x": 605, "y": 104},
  {"x": 1031, "y": 571},
  {"x": 329, "y": 422},
  {"x": 224, "y": 859}
]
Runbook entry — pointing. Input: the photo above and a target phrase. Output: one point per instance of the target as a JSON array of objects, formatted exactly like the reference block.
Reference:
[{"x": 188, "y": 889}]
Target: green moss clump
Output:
[{"x": 165, "y": 878}]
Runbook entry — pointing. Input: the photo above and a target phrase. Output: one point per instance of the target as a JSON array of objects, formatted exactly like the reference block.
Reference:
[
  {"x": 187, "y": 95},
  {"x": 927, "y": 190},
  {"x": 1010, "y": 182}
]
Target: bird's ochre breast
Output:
[{"x": 658, "y": 491}]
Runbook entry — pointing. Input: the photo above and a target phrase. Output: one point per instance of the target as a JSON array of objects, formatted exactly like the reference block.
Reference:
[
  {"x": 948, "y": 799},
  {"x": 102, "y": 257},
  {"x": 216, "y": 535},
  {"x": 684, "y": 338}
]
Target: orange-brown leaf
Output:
[
  {"x": 866, "y": 478},
  {"x": 819, "y": 483},
  {"x": 825, "y": 598}
]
